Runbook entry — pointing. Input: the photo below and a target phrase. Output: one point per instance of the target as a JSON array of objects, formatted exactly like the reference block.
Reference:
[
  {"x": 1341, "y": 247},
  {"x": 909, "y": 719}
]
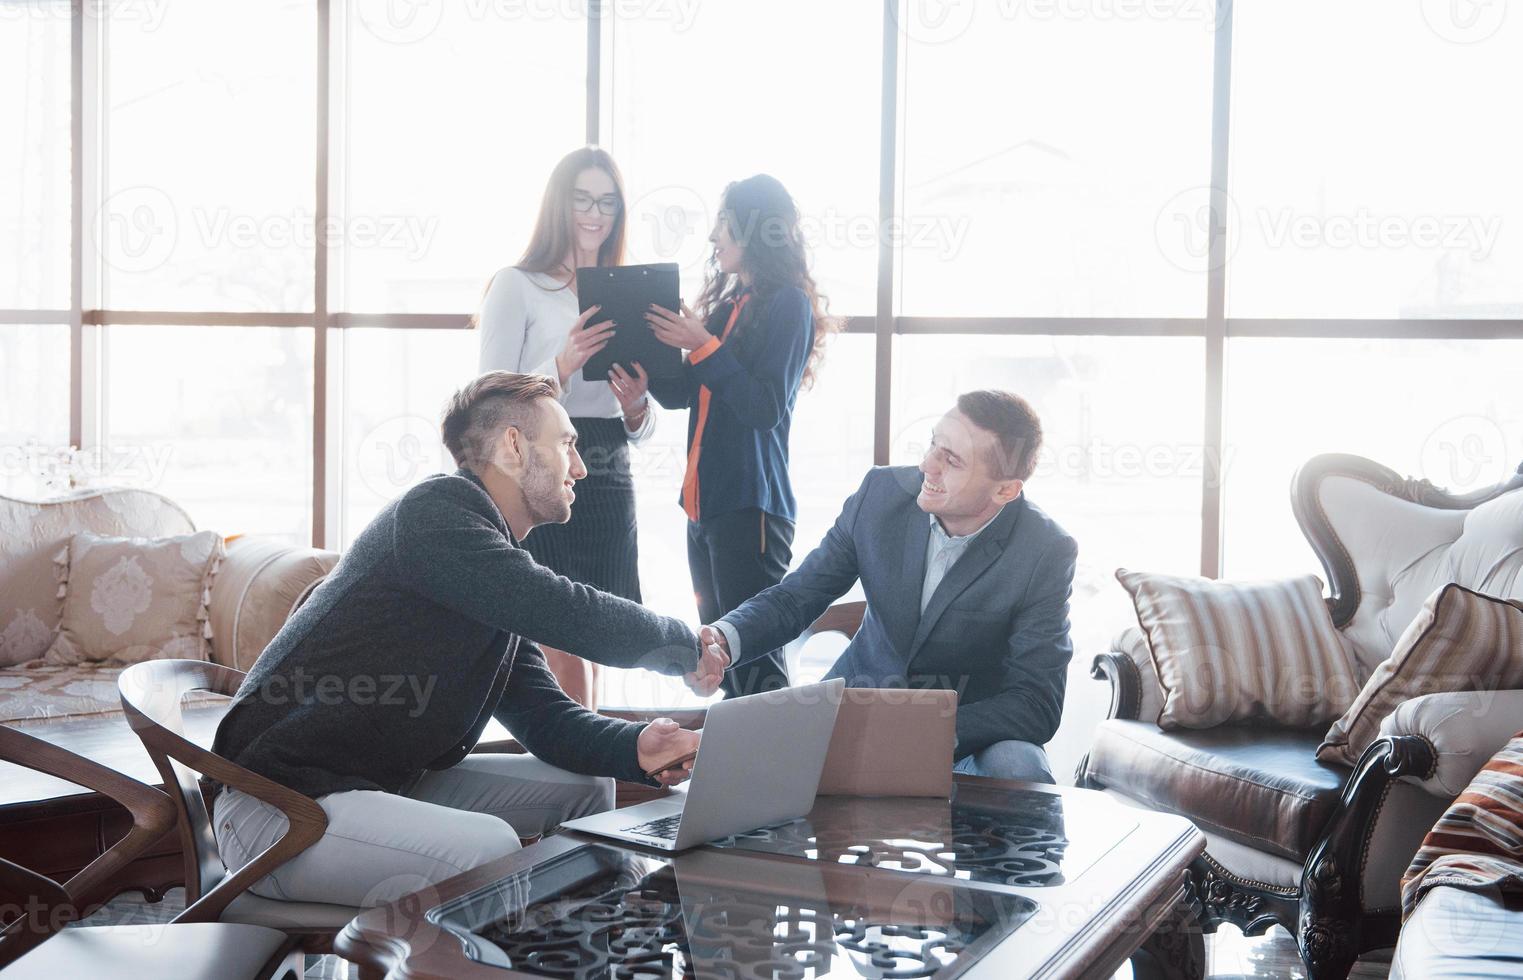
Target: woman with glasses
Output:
[
  {"x": 530, "y": 322},
  {"x": 757, "y": 338}
]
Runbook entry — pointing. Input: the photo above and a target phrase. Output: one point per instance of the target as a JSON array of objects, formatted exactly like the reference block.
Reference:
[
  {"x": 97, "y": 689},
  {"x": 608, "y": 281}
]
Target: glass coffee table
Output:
[{"x": 1004, "y": 880}]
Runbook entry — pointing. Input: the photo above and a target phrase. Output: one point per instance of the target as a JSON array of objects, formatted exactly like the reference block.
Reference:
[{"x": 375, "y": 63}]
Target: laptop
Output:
[{"x": 758, "y": 763}]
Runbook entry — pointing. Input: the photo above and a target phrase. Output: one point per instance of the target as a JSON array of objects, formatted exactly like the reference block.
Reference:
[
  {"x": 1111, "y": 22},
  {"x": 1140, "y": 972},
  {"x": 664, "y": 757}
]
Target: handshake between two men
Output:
[{"x": 713, "y": 660}]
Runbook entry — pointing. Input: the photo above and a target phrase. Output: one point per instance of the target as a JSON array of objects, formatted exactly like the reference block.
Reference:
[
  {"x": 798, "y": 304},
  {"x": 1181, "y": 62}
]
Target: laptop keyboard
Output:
[{"x": 665, "y": 828}]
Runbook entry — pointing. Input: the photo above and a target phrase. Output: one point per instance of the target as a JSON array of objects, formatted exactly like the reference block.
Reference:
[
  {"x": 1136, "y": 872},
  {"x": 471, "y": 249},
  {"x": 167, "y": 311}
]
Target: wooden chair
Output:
[
  {"x": 151, "y": 694},
  {"x": 36, "y": 944}
]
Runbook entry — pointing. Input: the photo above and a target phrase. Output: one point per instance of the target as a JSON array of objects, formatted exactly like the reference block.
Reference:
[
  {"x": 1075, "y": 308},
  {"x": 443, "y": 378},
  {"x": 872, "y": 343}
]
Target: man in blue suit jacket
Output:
[{"x": 967, "y": 586}]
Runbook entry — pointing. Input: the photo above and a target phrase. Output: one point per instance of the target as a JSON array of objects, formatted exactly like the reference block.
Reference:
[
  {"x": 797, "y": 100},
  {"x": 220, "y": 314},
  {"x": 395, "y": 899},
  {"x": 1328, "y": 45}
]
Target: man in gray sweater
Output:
[{"x": 371, "y": 696}]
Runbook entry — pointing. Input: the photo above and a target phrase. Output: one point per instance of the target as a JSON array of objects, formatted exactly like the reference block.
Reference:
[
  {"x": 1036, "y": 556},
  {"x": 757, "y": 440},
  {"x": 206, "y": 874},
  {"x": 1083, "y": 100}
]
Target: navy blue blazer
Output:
[
  {"x": 754, "y": 379},
  {"x": 996, "y": 629}
]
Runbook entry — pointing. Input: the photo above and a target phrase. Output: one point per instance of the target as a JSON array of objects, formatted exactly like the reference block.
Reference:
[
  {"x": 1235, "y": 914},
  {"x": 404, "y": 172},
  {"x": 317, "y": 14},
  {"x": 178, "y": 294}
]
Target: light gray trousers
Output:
[{"x": 381, "y": 846}]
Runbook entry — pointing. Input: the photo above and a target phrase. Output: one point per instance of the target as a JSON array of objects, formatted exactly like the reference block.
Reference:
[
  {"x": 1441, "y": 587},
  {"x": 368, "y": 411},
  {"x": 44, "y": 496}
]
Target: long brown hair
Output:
[
  {"x": 764, "y": 221},
  {"x": 551, "y": 239},
  {"x": 552, "y": 229}
]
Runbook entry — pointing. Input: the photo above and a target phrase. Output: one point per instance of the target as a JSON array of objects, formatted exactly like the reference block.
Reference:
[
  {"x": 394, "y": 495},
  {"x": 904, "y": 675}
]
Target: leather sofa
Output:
[{"x": 1320, "y": 848}]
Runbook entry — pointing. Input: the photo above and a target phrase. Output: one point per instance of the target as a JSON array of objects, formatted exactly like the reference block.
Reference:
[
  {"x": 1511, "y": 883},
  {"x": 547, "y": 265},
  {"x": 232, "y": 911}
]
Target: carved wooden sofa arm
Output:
[{"x": 1135, "y": 691}]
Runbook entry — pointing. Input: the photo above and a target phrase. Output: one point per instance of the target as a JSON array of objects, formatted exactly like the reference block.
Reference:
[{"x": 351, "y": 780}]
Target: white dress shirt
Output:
[
  {"x": 525, "y": 319},
  {"x": 941, "y": 553}
]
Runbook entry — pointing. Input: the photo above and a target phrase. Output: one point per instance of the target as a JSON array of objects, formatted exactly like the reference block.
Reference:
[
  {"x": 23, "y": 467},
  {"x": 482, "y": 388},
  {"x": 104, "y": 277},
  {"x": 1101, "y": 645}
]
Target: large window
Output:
[
  {"x": 34, "y": 412},
  {"x": 1448, "y": 411},
  {"x": 705, "y": 95},
  {"x": 1372, "y": 172},
  {"x": 34, "y": 161},
  {"x": 395, "y": 384},
  {"x": 451, "y": 117},
  {"x": 216, "y": 418},
  {"x": 208, "y": 161},
  {"x": 1041, "y": 172},
  {"x": 1054, "y": 156}
]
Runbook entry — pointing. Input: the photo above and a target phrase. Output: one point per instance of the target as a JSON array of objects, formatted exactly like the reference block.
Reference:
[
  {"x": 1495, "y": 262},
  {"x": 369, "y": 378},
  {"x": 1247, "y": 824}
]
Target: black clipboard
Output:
[{"x": 625, "y": 293}]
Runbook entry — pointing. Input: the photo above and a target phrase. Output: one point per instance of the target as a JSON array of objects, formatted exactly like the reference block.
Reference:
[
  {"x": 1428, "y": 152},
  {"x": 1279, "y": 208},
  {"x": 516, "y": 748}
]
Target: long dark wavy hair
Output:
[{"x": 764, "y": 221}]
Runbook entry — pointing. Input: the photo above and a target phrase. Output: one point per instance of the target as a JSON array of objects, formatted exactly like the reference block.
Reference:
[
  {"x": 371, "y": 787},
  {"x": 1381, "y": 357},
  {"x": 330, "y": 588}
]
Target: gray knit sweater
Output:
[{"x": 423, "y": 631}]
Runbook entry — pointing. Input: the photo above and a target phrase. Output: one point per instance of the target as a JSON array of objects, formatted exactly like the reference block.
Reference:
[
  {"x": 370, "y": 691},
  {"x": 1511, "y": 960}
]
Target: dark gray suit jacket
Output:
[
  {"x": 421, "y": 634},
  {"x": 996, "y": 629}
]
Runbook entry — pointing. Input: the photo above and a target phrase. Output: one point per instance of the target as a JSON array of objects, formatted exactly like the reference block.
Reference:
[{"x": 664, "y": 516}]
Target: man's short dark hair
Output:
[
  {"x": 477, "y": 414},
  {"x": 1016, "y": 428}
]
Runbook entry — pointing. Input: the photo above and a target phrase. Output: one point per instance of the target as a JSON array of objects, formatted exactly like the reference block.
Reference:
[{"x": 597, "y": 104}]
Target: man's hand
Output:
[
  {"x": 661, "y": 741},
  {"x": 713, "y": 658}
]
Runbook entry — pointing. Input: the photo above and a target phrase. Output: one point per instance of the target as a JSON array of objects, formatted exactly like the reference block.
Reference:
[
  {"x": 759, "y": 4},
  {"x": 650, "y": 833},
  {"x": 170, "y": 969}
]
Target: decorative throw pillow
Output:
[
  {"x": 1242, "y": 651},
  {"x": 1461, "y": 640},
  {"x": 132, "y": 599},
  {"x": 1478, "y": 842}
]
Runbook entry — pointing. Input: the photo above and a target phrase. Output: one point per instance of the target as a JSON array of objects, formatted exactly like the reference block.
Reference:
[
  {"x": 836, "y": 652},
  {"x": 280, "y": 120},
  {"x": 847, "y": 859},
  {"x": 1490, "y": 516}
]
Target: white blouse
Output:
[{"x": 525, "y": 319}]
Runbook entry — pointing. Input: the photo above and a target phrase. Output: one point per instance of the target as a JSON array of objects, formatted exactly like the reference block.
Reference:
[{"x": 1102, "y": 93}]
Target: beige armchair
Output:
[{"x": 1320, "y": 848}]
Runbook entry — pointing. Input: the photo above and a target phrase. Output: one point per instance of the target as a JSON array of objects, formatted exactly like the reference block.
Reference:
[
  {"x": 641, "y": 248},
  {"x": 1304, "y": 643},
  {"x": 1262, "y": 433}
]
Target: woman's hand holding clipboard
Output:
[{"x": 684, "y": 331}]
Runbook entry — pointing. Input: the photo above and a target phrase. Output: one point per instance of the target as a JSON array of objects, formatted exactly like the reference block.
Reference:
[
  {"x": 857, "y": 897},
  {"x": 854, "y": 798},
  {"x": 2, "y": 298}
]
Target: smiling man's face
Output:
[{"x": 959, "y": 480}]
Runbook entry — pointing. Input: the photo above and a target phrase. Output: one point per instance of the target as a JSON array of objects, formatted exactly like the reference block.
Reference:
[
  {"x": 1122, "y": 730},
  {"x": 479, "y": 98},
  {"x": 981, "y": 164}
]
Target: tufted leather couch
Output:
[
  {"x": 255, "y": 589},
  {"x": 1317, "y": 847}
]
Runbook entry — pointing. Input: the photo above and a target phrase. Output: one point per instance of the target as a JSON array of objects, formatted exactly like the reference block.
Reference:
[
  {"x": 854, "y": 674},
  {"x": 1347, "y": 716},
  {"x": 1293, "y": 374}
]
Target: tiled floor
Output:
[{"x": 1229, "y": 955}]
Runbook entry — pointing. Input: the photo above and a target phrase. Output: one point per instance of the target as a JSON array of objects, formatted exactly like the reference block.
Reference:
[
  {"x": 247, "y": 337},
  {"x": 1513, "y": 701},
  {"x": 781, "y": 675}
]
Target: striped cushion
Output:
[
  {"x": 1242, "y": 651},
  {"x": 1461, "y": 641},
  {"x": 1478, "y": 842}
]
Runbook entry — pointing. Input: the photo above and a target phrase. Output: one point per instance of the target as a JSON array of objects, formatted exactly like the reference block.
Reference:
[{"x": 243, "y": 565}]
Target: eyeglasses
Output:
[{"x": 582, "y": 203}]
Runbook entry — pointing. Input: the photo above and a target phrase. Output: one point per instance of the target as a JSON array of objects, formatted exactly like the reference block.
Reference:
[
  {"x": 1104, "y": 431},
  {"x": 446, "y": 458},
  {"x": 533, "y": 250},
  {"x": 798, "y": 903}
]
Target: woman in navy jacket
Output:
[{"x": 756, "y": 340}]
